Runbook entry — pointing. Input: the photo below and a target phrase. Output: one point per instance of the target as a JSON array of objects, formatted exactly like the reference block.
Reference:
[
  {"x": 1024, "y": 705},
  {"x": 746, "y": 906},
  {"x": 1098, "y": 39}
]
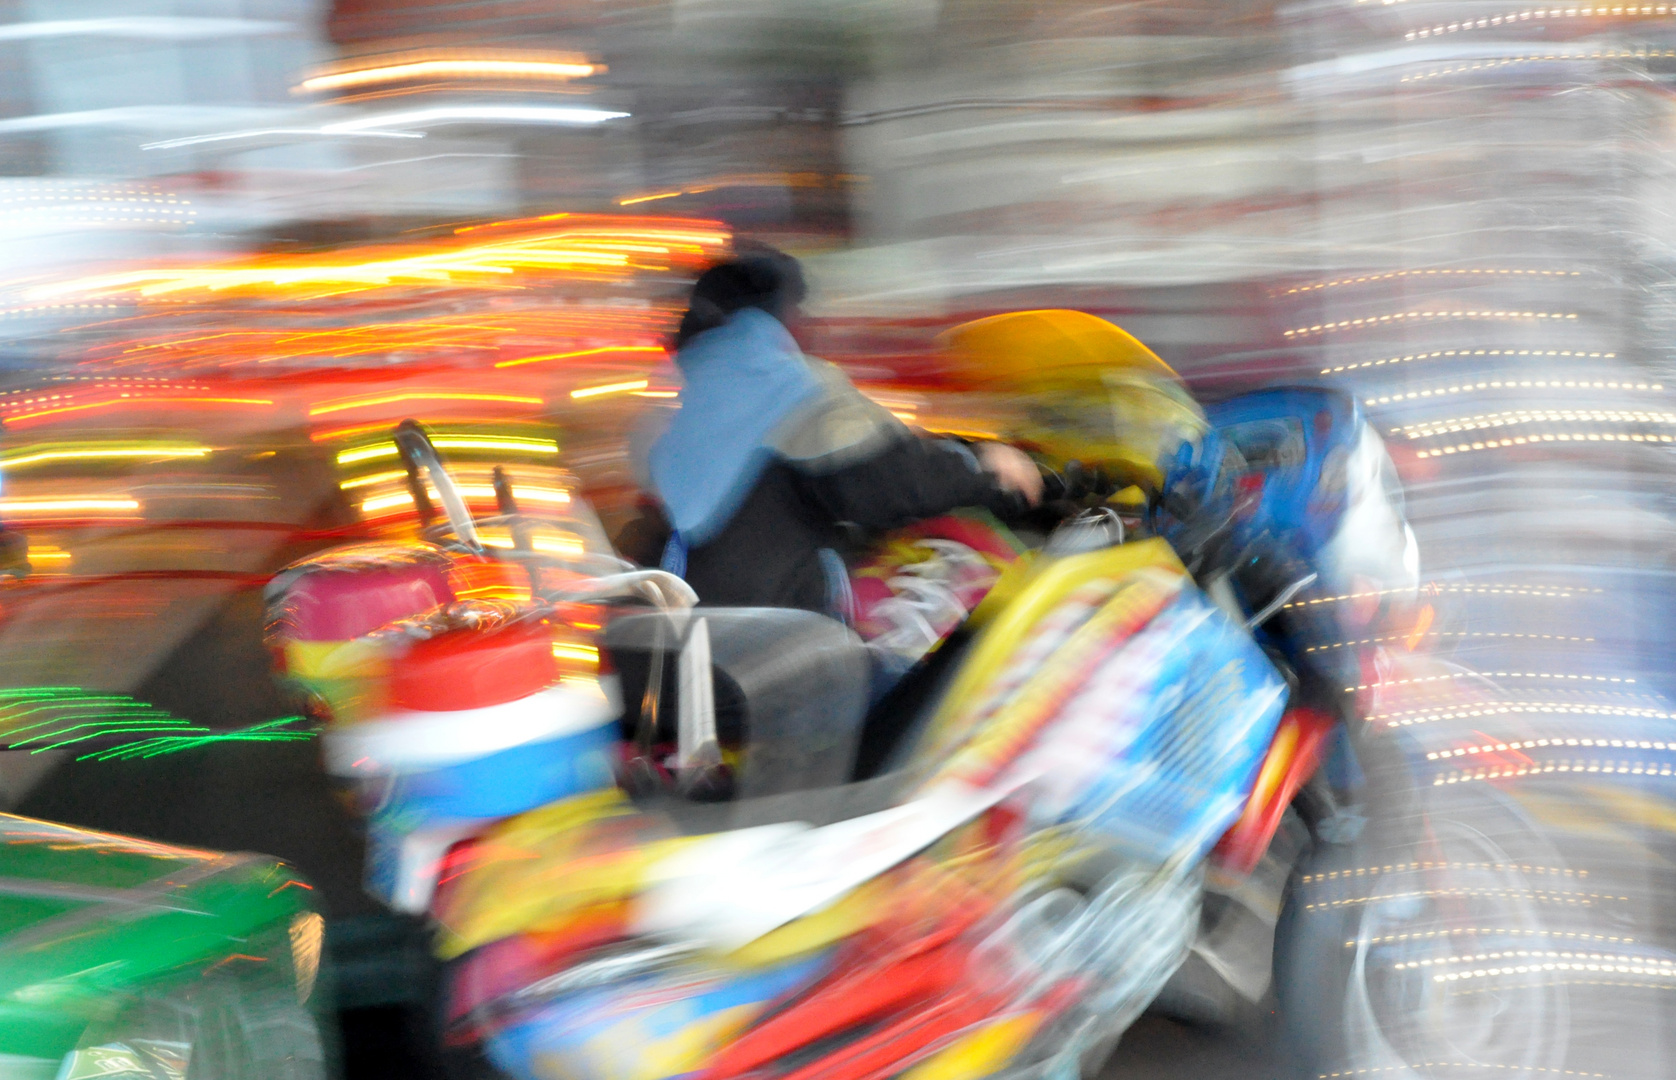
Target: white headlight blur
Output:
[{"x": 1373, "y": 540}]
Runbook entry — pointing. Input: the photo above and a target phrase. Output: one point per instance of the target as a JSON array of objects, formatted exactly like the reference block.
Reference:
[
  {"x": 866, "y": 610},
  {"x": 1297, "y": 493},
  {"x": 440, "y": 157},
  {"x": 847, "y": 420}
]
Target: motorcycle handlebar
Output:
[{"x": 417, "y": 451}]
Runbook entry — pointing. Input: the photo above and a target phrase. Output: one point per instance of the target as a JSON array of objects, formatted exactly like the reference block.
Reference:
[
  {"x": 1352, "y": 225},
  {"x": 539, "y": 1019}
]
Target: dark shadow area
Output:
[{"x": 267, "y": 797}]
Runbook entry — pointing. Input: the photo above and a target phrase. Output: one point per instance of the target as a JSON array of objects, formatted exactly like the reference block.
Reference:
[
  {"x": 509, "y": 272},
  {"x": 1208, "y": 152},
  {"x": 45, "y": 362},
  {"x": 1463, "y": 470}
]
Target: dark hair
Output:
[{"x": 758, "y": 276}]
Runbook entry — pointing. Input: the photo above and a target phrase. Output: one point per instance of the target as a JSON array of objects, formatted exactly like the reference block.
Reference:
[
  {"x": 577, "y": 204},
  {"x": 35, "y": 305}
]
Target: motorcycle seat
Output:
[{"x": 791, "y": 690}]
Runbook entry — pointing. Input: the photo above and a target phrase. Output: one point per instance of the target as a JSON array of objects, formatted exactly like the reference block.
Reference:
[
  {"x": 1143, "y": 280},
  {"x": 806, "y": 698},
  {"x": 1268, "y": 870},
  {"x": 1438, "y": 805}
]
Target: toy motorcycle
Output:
[{"x": 660, "y": 839}]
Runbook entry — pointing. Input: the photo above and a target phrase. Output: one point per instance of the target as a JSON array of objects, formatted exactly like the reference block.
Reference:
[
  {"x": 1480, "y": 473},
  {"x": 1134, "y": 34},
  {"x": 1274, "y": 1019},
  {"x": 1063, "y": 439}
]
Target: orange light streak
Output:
[
  {"x": 597, "y": 246},
  {"x": 523, "y": 331},
  {"x": 419, "y": 395},
  {"x": 420, "y": 69},
  {"x": 382, "y": 426},
  {"x": 1422, "y": 624},
  {"x": 22, "y": 417},
  {"x": 581, "y": 352}
]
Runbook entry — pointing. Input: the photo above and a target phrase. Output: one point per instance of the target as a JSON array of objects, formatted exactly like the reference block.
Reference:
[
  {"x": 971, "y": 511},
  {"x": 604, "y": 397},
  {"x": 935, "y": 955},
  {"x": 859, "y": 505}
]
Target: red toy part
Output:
[
  {"x": 472, "y": 669},
  {"x": 922, "y": 969},
  {"x": 510, "y": 964},
  {"x": 1291, "y": 760},
  {"x": 868, "y": 593},
  {"x": 337, "y": 605},
  {"x": 893, "y": 1047},
  {"x": 974, "y": 534}
]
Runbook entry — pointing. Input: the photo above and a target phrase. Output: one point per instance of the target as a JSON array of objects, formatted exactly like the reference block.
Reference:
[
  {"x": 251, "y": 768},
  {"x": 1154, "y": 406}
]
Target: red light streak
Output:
[{"x": 19, "y": 418}]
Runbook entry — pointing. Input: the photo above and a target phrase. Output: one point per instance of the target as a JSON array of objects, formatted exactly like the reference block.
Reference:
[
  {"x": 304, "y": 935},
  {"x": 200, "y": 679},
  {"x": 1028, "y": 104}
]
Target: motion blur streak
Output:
[{"x": 243, "y": 239}]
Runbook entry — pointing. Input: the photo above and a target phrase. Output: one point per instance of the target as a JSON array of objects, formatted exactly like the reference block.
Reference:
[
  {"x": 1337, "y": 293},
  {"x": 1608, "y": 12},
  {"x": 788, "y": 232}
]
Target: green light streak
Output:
[
  {"x": 270, "y": 731},
  {"x": 42, "y": 718}
]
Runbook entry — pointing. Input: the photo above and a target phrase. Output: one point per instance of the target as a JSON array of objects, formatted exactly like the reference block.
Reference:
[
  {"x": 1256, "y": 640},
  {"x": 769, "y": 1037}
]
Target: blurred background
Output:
[{"x": 240, "y": 239}]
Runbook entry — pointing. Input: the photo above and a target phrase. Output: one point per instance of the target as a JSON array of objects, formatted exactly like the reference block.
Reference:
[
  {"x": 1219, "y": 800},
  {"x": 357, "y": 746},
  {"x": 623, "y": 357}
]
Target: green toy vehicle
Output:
[{"x": 122, "y": 958}]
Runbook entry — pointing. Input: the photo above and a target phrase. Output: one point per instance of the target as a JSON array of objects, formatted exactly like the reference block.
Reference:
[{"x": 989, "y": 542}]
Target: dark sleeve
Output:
[
  {"x": 909, "y": 479},
  {"x": 642, "y": 540}
]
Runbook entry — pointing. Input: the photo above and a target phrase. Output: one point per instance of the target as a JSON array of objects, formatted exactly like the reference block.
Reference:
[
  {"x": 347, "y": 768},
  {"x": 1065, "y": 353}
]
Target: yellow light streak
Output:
[
  {"x": 1543, "y": 744},
  {"x": 1410, "y": 717},
  {"x": 1403, "y": 316},
  {"x": 1444, "y": 634},
  {"x": 585, "y": 653},
  {"x": 50, "y": 506},
  {"x": 1489, "y": 931},
  {"x": 1396, "y": 274},
  {"x": 1514, "y": 384},
  {"x": 1526, "y": 440},
  {"x": 419, "y": 395},
  {"x": 49, "y": 560},
  {"x": 39, "y": 457},
  {"x": 1422, "y": 679},
  {"x": 1583, "y": 765},
  {"x": 506, "y": 443},
  {"x": 581, "y": 352},
  {"x": 1467, "y": 352},
  {"x": 1538, "y": 962},
  {"x": 1540, "y": 14},
  {"x": 495, "y": 442},
  {"x": 1509, "y": 417},
  {"x": 422, "y": 69},
  {"x": 485, "y": 492},
  {"x": 1558, "y": 54},
  {"x": 1552, "y": 592},
  {"x": 768, "y": 179},
  {"x": 546, "y": 544},
  {"x": 1439, "y": 864},
  {"x": 649, "y": 198},
  {"x": 610, "y": 388},
  {"x": 1541, "y": 896},
  {"x": 1665, "y": 967},
  {"x": 373, "y": 478},
  {"x": 530, "y": 494},
  {"x": 385, "y": 502}
]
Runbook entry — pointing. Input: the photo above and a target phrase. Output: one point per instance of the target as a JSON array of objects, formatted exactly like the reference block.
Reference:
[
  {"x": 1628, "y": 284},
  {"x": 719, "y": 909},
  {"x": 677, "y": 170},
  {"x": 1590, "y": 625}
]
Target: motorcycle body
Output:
[
  {"x": 640, "y": 831},
  {"x": 1323, "y": 483}
]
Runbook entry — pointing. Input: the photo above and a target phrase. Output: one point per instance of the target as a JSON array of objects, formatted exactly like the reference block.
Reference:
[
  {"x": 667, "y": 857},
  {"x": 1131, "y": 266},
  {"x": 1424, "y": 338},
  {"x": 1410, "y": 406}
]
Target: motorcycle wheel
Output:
[{"x": 1375, "y": 936}]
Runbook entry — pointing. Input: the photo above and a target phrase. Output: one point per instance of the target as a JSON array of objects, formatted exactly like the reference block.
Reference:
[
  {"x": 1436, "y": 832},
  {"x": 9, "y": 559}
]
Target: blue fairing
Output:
[
  {"x": 1290, "y": 435},
  {"x": 1158, "y": 750}
]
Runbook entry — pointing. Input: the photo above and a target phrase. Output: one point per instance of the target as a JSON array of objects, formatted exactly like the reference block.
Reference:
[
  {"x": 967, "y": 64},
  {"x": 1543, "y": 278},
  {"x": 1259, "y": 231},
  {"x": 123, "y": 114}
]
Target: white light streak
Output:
[
  {"x": 153, "y": 27},
  {"x": 467, "y": 114},
  {"x": 258, "y": 133}
]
